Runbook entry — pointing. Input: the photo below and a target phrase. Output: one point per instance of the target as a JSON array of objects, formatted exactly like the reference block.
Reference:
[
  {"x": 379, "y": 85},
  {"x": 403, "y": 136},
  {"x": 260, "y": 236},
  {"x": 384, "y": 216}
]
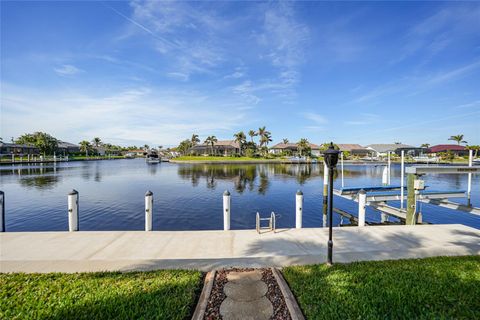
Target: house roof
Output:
[
  {"x": 64, "y": 144},
  {"x": 349, "y": 147},
  {"x": 220, "y": 143},
  {"x": 293, "y": 146},
  {"x": 446, "y": 147},
  {"x": 16, "y": 145},
  {"x": 388, "y": 147}
]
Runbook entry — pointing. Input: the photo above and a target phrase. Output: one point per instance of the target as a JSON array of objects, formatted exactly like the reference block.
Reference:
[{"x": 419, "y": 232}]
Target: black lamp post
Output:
[{"x": 331, "y": 159}]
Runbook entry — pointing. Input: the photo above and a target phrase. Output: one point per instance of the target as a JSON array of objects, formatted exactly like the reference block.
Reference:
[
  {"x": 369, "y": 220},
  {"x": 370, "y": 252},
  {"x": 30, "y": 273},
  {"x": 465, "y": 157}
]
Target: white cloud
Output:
[
  {"x": 315, "y": 117},
  {"x": 67, "y": 70}
]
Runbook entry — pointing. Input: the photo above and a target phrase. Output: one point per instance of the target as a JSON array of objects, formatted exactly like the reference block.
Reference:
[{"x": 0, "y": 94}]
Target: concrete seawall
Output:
[{"x": 206, "y": 250}]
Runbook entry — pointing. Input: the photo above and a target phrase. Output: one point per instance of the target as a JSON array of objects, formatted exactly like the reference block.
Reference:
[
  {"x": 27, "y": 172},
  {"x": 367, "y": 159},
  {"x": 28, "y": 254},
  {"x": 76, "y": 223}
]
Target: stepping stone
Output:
[
  {"x": 260, "y": 309},
  {"x": 245, "y": 291},
  {"x": 244, "y": 277}
]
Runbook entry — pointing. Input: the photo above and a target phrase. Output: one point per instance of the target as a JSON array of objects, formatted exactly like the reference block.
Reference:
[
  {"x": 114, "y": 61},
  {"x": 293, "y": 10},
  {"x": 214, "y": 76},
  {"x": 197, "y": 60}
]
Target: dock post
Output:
[
  {"x": 226, "y": 210},
  {"x": 341, "y": 164},
  {"x": 13, "y": 158},
  {"x": 325, "y": 194},
  {"x": 411, "y": 205},
  {"x": 299, "y": 209},
  {"x": 2, "y": 211},
  {"x": 362, "y": 204},
  {"x": 402, "y": 179},
  {"x": 389, "y": 167},
  {"x": 385, "y": 176},
  {"x": 73, "y": 211},
  {"x": 148, "y": 210},
  {"x": 469, "y": 184}
]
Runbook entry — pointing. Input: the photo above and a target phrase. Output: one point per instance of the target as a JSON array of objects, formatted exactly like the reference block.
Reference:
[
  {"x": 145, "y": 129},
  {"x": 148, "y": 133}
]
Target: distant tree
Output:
[
  {"x": 184, "y": 146},
  {"x": 425, "y": 145},
  {"x": 85, "y": 146},
  {"x": 458, "y": 138},
  {"x": 194, "y": 140},
  {"x": 326, "y": 145},
  {"x": 211, "y": 141},
  {"x": 146, "y": 147},
  {"x": 97, "y": 142},
  {"x": 45, "y": 143},
  {"x": 241, "y": 138},
  {"x": 475, "y": 148},
  {"x": 265, "y": 138},
  {"x": 1, "y": 140},
  {"x": 252, "y": 134},
  {"x": 285, "y": 141},
  {"x": 303, "y": 146}
]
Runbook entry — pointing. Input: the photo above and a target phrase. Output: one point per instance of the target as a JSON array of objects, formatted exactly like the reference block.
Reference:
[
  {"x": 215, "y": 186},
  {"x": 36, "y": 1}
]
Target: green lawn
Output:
[
  {"x": 136, "y": 295},
  {"x": 433, "y": 288}
]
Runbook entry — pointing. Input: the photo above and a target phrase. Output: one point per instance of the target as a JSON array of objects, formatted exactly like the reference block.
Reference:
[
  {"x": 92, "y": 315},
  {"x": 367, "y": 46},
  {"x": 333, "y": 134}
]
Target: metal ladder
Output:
[{"x": 271, "y": 223}]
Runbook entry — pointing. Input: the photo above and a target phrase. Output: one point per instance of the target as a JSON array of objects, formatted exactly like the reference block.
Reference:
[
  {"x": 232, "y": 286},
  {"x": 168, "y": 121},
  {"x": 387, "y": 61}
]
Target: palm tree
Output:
[
  {"x": 264, "y": 140},
  {"x": 303, "y": 145},
  {"x": 458, "y": 138},
  {"x": 241, "y": 138},
  {"x": 194, "y": 140},
  {"x": 285, "y": 141},
  {"x": 97, "y": 142},
  {"x": 425, "y": 145},
  {"x": 211, "y": 141},
  {"x": 146, "y": 147},
  {"x": 263, "y": 134},
  {"x": 84, "y": 146},
  {"x": 252, "y": 134},
  {"x": 474, "y": 148}
]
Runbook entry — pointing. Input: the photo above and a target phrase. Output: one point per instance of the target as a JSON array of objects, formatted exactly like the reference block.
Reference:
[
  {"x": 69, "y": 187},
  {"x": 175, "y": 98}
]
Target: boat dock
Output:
[{"x": 206, "y": 250}]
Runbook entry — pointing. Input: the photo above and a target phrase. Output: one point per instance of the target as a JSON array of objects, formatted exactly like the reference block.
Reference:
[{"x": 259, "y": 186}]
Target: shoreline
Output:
[{"x": 284, "y": 161}]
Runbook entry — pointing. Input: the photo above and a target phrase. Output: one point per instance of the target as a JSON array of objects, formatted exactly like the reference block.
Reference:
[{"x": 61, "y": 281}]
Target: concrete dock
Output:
[{"x": 206, "y": 250}]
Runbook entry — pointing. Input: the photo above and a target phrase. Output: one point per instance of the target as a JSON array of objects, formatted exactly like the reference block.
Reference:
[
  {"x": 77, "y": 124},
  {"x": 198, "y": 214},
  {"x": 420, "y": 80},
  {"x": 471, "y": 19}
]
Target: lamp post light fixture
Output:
[{"x": 331, "y": 159}]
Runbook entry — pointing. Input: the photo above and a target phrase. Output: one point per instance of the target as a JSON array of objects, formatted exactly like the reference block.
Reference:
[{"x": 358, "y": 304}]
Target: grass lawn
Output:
[
  {"x": 166, "y": 294},
  {"x": 433, "y": 288},
  {"x": 211, "y": 158}
]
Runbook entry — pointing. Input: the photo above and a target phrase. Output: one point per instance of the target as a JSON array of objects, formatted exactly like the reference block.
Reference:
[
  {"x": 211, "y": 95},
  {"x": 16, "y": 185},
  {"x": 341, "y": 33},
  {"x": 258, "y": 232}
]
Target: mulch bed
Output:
[{"x": 280, "y": 310}]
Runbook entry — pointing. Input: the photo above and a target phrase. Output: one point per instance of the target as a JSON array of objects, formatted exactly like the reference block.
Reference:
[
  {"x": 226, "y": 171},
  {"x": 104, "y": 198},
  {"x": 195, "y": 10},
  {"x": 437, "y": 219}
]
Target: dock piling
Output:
[
  {"x": 411, "y": 205},
  {"x": 73, "y": 211},
  {"x": 226, "y": 210},
  {"x": 2, "y": 213},
  {"x": 148, "y": 210},
  {"x": 469, "y": 184},
  {"x": 299, "y": 209},
  {"x": 325, "y": 194},
  {"x": 402, "y": 179},
  {"x": 362, "y": 204}
]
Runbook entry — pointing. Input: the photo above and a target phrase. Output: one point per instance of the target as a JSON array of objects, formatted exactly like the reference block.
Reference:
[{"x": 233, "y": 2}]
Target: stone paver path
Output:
[{"x": 246, "y": 298}]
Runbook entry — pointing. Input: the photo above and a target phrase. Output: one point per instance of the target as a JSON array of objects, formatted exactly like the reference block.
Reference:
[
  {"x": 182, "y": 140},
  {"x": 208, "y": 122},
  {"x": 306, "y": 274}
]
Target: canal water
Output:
[{"x": 189, "y": 196}]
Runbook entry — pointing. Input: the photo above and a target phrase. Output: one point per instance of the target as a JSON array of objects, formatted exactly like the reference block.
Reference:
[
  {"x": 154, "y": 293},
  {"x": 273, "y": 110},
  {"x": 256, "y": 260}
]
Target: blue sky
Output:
[{"x": 155, "y": 72}]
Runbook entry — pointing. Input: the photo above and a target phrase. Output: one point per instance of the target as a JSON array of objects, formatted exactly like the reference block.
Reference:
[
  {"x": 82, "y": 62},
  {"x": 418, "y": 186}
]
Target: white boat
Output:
[
  {"x": 476, "y": 161},
  {"x": 130, "y": 155},
  {"x": 152, "y": 158},
  {"x": 426, "y": 159}
]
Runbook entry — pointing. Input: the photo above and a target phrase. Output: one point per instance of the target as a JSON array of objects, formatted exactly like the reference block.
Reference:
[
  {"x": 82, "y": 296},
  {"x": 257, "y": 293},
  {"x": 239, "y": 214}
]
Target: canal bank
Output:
[{"x": 206, "y": 250}]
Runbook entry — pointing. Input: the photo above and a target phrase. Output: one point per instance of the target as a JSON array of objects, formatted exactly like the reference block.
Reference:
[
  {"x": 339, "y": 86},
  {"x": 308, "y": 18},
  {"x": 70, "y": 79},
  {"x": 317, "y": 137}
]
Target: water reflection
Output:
[
  {"x": 254, "y": 176},
  {"x": 40, "y": 182}
]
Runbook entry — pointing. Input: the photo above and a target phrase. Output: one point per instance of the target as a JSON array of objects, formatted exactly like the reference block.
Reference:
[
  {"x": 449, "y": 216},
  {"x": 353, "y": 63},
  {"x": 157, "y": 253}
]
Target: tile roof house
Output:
[
  {"x": 19, "y": 149},
  {"x": 221, "y": 147},
  {"x": 67, "y": 147},
  {"x": 383, "y": 149},
  {"x": 293, "y": 148},
  {"x": 349, "y": 147},
  {"x": 456, "y": 149}
]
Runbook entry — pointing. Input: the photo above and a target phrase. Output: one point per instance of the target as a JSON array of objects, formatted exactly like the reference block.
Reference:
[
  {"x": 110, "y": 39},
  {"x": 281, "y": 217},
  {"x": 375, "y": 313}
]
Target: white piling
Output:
[
  {"x": 402, "y": 178},
  {"x": 469, "y": 184},
  {"x": 73, "y": 211},
  {"x": 341, "y": 165},
  {"x": 362, "y": 204},
  {"x": 389, "y": 167},
  {"x": 13, "y": 158},
  {"x": 385, "y": 176},
  {"x": 148, "y": 210},
  {"x": 299, "y": 209},
  {"x": 226, "y": 210},
  {"x": 2, "y": 211}
]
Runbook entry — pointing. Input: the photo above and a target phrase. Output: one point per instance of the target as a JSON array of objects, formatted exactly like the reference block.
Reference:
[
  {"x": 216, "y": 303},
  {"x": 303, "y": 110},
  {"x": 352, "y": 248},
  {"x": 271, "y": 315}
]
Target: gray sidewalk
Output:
[{"x": 206, "y": 250}]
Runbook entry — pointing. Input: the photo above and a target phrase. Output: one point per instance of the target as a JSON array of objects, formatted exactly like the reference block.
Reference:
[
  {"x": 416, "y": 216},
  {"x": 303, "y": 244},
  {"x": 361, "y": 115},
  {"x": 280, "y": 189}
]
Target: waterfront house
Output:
[
  {"x": 221, "y": 148},
  {"x": 382, "y": 150},
  {"x": 453, "y": 148},
  {"x": 66, "y": 148},
  {"x": 135, "y": 152},
  {"x": 354, "y": 149},
  {"x": 292, "y": 149},
  {"x": 18, "y": 149}
]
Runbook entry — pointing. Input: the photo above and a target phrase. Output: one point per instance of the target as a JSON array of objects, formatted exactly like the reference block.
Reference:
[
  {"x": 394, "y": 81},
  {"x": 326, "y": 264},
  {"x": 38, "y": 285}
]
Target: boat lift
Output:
[{"x": 377, "y": 196}]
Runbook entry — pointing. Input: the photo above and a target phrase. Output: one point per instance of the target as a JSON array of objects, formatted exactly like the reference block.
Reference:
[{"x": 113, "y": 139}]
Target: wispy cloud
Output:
[
  {"x": 315, "y": 117},
  {"x": 468, "y": 105},
  {"x": 67, "y": 70},
  {"x": 363, "y": 119}
]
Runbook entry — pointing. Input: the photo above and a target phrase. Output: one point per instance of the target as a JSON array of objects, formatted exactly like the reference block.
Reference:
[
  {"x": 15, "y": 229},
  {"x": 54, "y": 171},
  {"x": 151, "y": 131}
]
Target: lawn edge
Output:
[
  {"x": 204, "y": 295},
  {"x": 292, "y": 305}
]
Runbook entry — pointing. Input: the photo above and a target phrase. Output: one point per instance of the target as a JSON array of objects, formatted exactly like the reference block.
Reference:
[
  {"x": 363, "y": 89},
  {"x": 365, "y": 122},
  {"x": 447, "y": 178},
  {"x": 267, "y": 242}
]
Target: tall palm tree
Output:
[
  {"x": 303, "y": 145},
  {"x": 241, "y": 138},
  {"x": 264, "y": 136},
  {"x": 458, "y": 138},
  {"x": 211, "y": 141},
  {"x": 285, "y": 141},
  {"x": 194, "y": 140},
  {"x": 97, "y": 142},
  {"x": 84, "y": 146},
  {"x": 264, "y": 140},
  {"x": 252, "y": 134}
]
